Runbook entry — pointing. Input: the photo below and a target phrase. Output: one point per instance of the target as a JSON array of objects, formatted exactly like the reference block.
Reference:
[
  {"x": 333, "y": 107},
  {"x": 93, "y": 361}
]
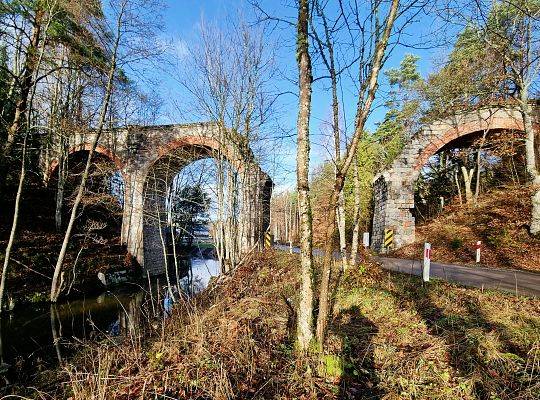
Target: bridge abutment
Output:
[{"x": 394, "y": 200}]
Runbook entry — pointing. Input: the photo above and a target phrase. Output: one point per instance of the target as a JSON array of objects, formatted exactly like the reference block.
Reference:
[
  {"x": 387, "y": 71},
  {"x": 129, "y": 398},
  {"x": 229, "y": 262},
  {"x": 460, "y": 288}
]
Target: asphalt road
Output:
[
  {"x": 514, "y": 281},
  {"x": 517, "y": 282}
]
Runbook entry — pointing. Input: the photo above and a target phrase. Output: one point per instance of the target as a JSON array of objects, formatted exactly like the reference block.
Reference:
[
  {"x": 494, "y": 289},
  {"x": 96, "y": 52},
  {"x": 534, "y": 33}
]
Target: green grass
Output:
[
  {"x": 390, "y": 337},
  {"x": 437, "y": 342}
]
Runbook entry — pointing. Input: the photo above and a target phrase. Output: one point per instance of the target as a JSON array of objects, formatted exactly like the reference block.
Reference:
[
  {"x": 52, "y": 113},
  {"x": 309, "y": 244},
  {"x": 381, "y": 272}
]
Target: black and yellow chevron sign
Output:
[
  {"x": 268, "y": 240},
  {"x": 388, "y": 237}
]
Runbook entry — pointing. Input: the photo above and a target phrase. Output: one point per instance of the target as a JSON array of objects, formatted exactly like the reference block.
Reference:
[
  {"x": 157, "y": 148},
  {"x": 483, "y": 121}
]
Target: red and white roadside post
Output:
[
  {"x": 365, "y": 240},
  {"x": 478, "y": 246},
  {"x": 427, "y": 262}
]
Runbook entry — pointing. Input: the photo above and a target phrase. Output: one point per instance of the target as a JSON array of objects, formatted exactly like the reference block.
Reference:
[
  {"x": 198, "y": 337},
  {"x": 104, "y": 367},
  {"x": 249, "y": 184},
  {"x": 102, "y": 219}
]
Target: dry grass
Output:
[
  {"x": 500, "y": 221},
  {"x": 390, "y": 338}
]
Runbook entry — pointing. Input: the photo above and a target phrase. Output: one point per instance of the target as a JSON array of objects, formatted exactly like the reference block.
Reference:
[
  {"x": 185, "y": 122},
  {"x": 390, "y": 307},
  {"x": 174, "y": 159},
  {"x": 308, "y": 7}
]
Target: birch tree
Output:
[
  {"x": 369, "y": 74},
  {"x": 227, "y": 75},
  {"x": 304, "y": 332},
  {"x": 43, "y": 16}
]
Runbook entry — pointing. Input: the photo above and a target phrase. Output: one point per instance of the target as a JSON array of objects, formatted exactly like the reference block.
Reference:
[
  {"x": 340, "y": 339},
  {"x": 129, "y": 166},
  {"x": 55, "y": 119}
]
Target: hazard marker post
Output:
[
  {"x": 388, "y": 239},
  {"x": 478, "y": 246},
  {"x": 366, "y": 239},
  {"x": 427, "y": 262},
  {"x": 268, "y": 240}
]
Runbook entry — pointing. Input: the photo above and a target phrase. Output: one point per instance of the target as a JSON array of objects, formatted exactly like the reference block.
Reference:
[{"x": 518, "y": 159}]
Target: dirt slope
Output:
[{"x": 499, "y": 221}]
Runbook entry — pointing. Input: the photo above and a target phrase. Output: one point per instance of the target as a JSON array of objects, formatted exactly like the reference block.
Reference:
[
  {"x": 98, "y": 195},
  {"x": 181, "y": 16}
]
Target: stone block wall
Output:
[{"x": 394, "y": 188}]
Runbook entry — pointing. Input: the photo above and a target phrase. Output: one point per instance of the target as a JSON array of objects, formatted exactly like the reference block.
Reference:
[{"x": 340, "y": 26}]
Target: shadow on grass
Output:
[
  {"x": 478, "y": 350},
  {"x": 359, "y": 378}
]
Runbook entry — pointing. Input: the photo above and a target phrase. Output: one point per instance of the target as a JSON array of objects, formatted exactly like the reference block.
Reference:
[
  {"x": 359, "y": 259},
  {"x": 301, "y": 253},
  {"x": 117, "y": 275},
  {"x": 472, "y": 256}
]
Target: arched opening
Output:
[
  {"x": 198, "y": 205},
  {"x": 422, "y": 180},
  {"x": 474, "y": 189},
  {"x": 466, "y": 168},
  {"x": 104, "y": 190},
  {"x": 95, "y": 244}
]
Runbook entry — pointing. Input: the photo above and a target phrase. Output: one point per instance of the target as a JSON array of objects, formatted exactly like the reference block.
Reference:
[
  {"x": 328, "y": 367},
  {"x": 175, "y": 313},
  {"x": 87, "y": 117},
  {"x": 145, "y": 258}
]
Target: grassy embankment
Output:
[
  {"x": 500, "y": 221},
  {"x": 390, "y": 338}
]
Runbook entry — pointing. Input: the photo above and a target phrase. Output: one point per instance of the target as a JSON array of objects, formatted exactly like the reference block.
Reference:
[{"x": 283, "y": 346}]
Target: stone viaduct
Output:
[
  {"x": 394, "y": 187},
  {"x": 141, "y": 154}
]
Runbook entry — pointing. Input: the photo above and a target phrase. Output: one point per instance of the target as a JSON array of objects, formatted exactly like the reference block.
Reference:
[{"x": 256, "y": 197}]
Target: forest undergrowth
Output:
[{"x": 390, "y": 338}]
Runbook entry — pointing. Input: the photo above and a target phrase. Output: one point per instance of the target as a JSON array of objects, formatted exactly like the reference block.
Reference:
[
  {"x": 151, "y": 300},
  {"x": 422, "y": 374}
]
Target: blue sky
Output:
[{"x": 181, "y": 20}]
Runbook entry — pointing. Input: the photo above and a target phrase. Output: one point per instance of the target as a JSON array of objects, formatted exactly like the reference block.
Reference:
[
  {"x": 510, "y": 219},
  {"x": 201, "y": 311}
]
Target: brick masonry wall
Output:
[
  {"x": 135, "y": 150},
  {"x": 394, "y": 188}
]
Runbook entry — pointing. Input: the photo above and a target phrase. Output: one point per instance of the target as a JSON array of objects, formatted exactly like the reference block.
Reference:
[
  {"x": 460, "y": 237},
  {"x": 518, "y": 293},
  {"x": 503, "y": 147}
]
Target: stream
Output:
[{"x": 40, "y": 336}]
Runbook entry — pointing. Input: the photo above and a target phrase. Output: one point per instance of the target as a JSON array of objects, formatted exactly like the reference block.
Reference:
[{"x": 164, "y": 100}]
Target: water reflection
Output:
[
  {"x": 42, "y": 336},
  {"x": 203, "y": 270},
  {"x": 56, "y": 329}
]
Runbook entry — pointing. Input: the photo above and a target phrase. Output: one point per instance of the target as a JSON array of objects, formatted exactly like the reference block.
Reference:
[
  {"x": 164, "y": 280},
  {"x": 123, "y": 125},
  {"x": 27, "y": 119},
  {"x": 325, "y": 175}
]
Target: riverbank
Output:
[
  {"x": 390, "y": 337},
  {"x": 94, "y": 247}
]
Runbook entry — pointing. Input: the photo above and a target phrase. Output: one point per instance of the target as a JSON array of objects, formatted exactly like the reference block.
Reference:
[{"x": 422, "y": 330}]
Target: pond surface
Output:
[{"x": 42, "y": 335}]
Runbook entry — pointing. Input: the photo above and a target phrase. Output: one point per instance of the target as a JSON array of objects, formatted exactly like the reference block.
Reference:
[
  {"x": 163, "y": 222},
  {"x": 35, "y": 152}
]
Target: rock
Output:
[{"x": 102, "y": 279}]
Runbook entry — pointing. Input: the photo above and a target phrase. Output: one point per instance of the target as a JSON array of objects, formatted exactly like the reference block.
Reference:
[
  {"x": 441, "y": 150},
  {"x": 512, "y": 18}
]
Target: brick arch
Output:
[
  {"x": 464, "y": 130},
  {"x": 197, "y": 142},
  {"x": 257, "y": 190},
  {"x": 118, "y": 162},
  {"x": 394, "y": 210}
]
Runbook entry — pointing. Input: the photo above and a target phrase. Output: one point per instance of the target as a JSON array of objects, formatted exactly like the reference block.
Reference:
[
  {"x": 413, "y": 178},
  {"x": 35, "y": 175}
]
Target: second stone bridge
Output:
[
  {"x": 139, "y": 153},
  {"x": 394, "y": 187}
]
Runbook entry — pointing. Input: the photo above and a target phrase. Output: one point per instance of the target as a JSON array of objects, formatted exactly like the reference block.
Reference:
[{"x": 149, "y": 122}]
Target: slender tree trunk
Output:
[
  {"x": 305, "y": 312},
  {"x": 365, "y": 102},
  {"x": 530, "y": 155},
  {"x": 29, "y": 101},
  {"x": 29, "y": 68},
  {"x": 458, "y": 186},
  {"x": 356, "y": 218},
  {"x": 173, "y": 240},
  {"x": 55, "y": 287},
  {"x": 467, "y": 182},
  {"x": 164, "y": 249},
  {"x": 478, "y": 161},
  {"x": 14, "y": 224},
  {"x": 62, "y": 172},
  {"x": 328, "y": 59}
]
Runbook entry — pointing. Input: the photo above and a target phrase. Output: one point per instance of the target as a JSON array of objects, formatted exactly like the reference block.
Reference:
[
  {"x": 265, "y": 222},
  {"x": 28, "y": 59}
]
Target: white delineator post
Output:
[
  {"x": 478, "y": 245},
  {"x": 366, "y": 239},
  {"x": 427, "y": 262}
]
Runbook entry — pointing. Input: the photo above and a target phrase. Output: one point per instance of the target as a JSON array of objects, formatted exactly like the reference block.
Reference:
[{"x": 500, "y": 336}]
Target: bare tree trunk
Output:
[
  {"x": 173, "y": 240},
  {"x": 365, "y": 102},
  {"x": 164, "y": 249},
  {"x": 329, "y": 62},
  {"x": 458, "y": 186},
  {"x": 55, "y": 287},
  {"x": 30, "y": 66},
  {"x": 60, "y": 191},
  {"x": 28, "y": 102},
  {"x": 356, "y": 218},
  {"x": 11, "y": 240},
  {"x": 305, "y": 312},
  {"x": 467, "y": 181},
  {"x": 478, "y": 160},
  {"x": 530, "y": 155}
]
